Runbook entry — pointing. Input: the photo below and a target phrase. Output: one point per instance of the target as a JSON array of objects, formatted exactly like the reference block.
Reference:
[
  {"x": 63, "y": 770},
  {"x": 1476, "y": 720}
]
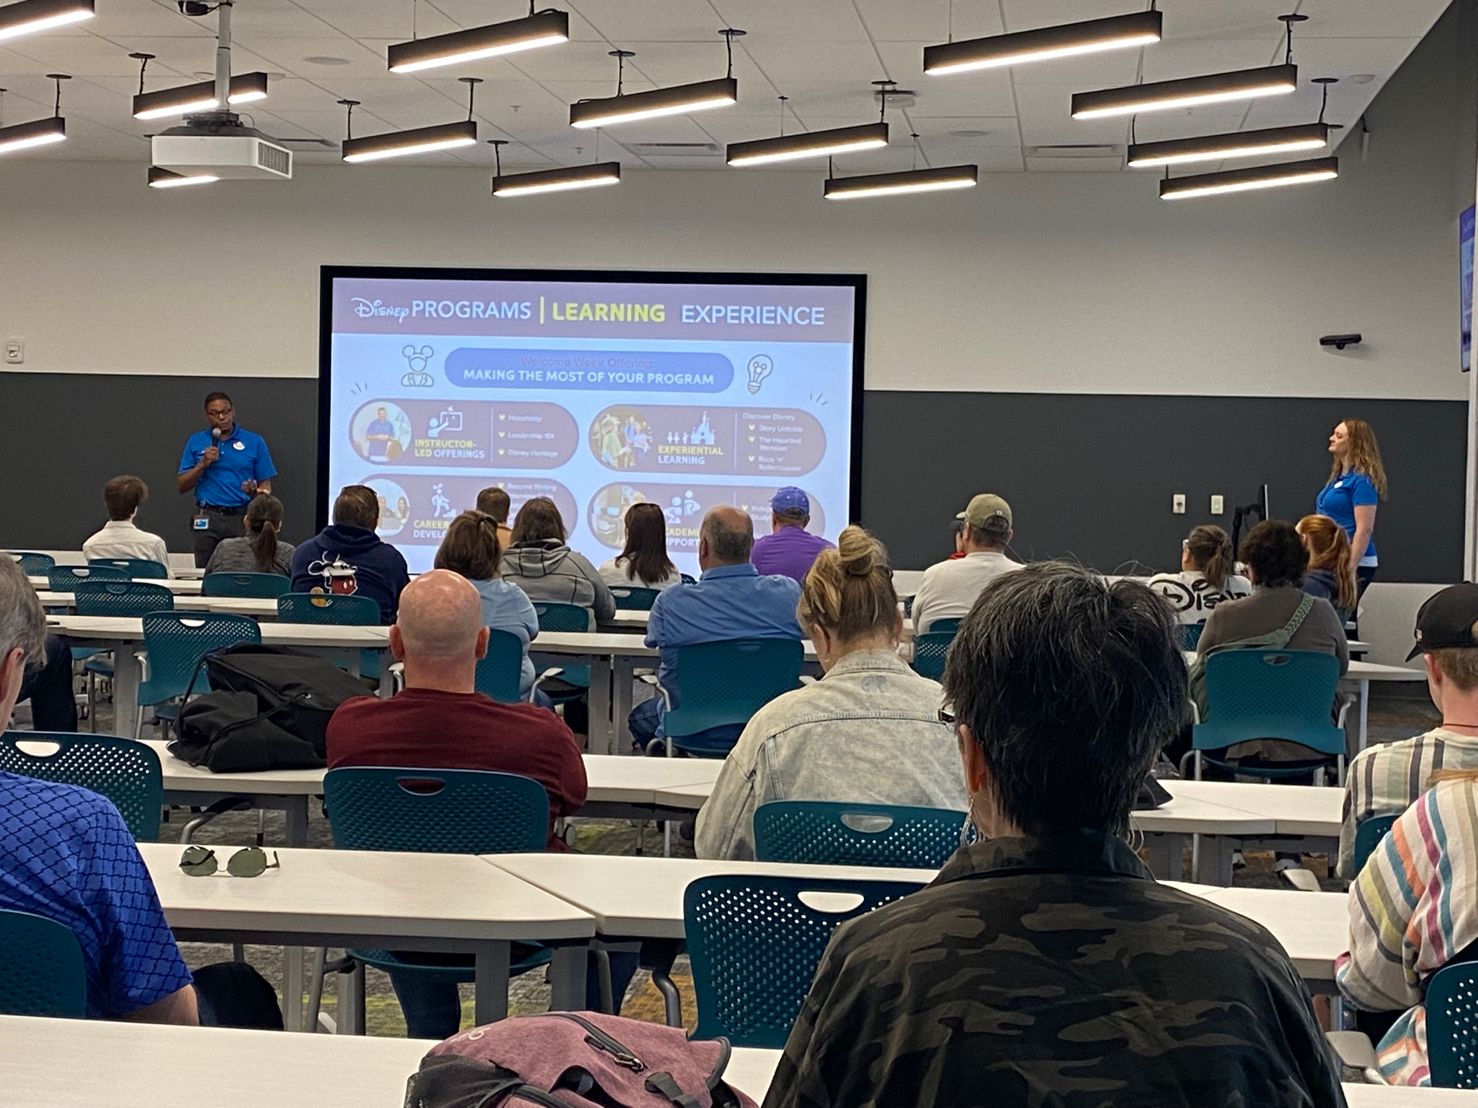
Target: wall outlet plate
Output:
[
  {"x": 1218, "y": 505},
  {"x": 15, "y": 351},
  {"x": 1177, "y": 504}
]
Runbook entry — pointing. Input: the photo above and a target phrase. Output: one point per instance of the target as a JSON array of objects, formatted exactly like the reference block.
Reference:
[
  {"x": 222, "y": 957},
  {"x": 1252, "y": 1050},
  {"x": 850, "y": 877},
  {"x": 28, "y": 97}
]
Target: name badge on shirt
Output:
[
  {"x": 1339, "y": 484},
  {"x": 239, "y": 445},
  {"x": 200, "y": 522}
]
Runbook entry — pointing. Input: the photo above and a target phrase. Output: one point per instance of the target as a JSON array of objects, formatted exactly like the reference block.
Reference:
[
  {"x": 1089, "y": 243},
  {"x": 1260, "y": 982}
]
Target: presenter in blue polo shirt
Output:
[
  {"x": 224, "y": 466},
  {"x": 1357, "y": 485}
]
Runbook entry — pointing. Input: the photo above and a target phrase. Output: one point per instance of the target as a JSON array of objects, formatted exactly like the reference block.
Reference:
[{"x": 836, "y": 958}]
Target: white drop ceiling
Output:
[{"x": 822, "y": 54}]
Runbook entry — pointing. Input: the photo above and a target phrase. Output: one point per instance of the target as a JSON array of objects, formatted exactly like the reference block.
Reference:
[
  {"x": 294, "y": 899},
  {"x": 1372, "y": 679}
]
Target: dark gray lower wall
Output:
[{"x": 1089, "y": 477}]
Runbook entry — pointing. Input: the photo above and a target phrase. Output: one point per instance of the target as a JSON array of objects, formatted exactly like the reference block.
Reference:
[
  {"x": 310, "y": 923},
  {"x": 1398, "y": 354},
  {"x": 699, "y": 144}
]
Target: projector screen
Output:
[{"x": 598, "y": 390}]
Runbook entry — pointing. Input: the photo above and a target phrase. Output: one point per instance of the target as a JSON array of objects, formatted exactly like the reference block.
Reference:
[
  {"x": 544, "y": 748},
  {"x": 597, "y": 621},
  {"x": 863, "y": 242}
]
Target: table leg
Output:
[
  {"x": 601, "y": 732},
  {"x": 1363, "y": 736},
  {"x": 292, "y": 988},
  {"x": 625, "y": 671},
  {"x": 126, "y": 675},
  {"x": 567, "y": 979},
  {"x": 295, "y": 808},
  {"x": 1164, "y": 854},
  {"x": 490, "y": 978},
  {"x": 1214, "y": 861}
]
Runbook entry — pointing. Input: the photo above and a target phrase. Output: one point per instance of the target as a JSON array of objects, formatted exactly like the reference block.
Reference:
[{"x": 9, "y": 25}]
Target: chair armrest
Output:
[
  {"x": 396, "y": 670},
  {"x": 552, "y": 671},
  {"x": 1301, "y": 879},
  {"x": 208, "y": 815},
  {"x": 1356, "y": 1054},
  {"x": 1346, "y": 702}
]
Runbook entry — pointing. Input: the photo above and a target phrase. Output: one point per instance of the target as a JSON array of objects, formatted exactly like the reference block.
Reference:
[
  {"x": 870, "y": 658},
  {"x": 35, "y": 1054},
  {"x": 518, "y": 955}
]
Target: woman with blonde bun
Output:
[{"x": 869, "y": 732}]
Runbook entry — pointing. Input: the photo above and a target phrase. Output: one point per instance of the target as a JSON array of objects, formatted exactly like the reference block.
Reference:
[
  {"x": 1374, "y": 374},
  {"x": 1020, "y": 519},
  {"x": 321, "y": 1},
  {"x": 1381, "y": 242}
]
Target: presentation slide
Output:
[{"x": 596, "y": 391}]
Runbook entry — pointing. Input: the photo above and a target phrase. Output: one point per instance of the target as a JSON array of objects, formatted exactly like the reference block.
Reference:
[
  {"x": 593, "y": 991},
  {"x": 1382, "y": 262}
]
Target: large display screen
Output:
[{"x": 597, "y": 390}]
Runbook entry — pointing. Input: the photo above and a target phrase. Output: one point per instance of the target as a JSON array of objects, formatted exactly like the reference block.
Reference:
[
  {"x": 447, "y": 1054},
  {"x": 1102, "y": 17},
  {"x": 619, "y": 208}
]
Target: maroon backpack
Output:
[{"x": 574, "y": 1060}]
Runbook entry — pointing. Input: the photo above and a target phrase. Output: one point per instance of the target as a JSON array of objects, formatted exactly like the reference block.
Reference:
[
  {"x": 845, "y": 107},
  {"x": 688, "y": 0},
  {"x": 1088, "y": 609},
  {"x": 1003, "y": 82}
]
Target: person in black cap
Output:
[{"x": 1383, "y": 780}]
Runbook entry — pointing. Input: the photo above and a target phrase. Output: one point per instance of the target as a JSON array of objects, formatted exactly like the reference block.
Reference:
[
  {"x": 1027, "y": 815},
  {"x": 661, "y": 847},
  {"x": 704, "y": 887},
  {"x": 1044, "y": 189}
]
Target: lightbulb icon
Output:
[{"x": 760, "y": 367}]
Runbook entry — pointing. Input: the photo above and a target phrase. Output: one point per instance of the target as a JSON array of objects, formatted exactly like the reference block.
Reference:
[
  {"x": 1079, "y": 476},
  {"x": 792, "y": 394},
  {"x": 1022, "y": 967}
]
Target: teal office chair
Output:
[
  {"x": 262, "y": 586},
  {"x": 718, "y": 686},
  {"x": 631, "y": 598},
  {"x": 931, "y": 651},
  {"x": 1189, "y": 634},
  {"x": 333, "y": 608},
  {"x": 126, "y": 772},
  {"x": 501, "y": 672},
  {"x": 828, "y": 833},
  {"x": 133, "y": 567},
  {"x": 755, "y": 944},
  {"x": 1452, "y": 1026},
  {"x": 427, "y": 811},
  {"x": 63, "y": 578},
  {"x": 33, "y": 563},
  {"x": 42, "y": 973},
  {"x": 568, "y": 682},
  {"x": 174, "y": 644},
  {"x": 105, "y": 597},
  {"x": 1271, "y": 694},
  {"x": 951, "y": 624},
  {"x": 1368, "y": 835}
]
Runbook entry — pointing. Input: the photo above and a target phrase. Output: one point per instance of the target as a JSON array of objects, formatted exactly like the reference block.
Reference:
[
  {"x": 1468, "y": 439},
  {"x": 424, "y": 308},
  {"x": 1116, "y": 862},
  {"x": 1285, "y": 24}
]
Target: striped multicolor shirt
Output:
[
  {"x": 1414, "y": 905},
  {"x": 1384, "y": 780}
]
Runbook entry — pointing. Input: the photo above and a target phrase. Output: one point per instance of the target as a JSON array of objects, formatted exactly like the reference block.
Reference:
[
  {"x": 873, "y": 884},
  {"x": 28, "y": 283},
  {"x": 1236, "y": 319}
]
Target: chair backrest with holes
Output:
[
  {"x": 554, "y": 616},
  {"x": 1189, "y": 634},
  {"x": 262, "y": 586},
  {"x": 42, "y": 973},
  {"x": 1452, "y": 1026},
  {"x": 634, "y": 598},
  {"x": 120, "y": 598},
  {"x": 435, "y": 811},
  {"x": 1258, "y": 693},
  {"x": 930, "y": 652},
  {"x": 832, "y": 833},
  {"x": 722, "y": 683},
  {"x": 175, "y": 643},
  {"x": 134, "y": 567},
  {"x": 755, "y": 942},
  {"x": 62, "y": 578},
  {"x": 1368, "y": 836},
  {"x": 126, "y": 772},
  {"x": 313, "y": 607},
  {"x": 500, "y": 672},
  {"x": 33, "y": 563}
]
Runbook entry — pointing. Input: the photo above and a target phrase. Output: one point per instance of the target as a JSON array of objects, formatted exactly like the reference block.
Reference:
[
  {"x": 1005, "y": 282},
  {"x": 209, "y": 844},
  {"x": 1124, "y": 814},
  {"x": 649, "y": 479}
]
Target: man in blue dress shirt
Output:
[
  {"x": 225, "y": 466},
  {"x": 732, "y": 600}
]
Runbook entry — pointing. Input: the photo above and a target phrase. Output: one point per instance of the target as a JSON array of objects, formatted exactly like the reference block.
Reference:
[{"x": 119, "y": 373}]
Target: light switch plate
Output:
[
  {"x": 1177, "y": 504},
  {"x": 15, "y": 351},
  {"x": 1218, "y": 505}
]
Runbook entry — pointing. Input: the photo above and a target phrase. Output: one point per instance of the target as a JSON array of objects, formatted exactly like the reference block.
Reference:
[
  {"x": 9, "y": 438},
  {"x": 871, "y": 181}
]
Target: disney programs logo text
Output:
[{"x": 367, "y": 309}]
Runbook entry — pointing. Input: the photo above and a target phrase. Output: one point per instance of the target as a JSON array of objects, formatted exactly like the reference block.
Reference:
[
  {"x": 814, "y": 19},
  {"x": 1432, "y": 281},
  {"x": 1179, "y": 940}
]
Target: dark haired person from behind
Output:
[
  {"x": 348, "y": 557},
  {"x": 496, "y": 502},
  {"x": 259, "y": 550},
  {"x": 643, "y": 561},
  {"x": 1045, "y": 965}
]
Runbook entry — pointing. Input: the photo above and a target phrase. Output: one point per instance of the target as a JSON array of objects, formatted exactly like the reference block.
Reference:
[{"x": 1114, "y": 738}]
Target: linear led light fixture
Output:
[
  {"x": 589, "y": 176},
  {"x": 1246, "y": 180},
  {"x": 201, "y": 97},
  {"x": 809, "y": 144},
  {"x": 896, "y": 184},
  {"x": 677, "y": 100},
  {"x": 1186, "y": 92},
  {"x": 1120, "y": 32},
  {"x": 169, "y": 179},
  {"x": 30, "y": 16},
  {"x": 546, "y": 28},
  {"x": 1237, "y": 144},
  {"x": 38, "y": 132},
  {"x": 420, "y": 140}
]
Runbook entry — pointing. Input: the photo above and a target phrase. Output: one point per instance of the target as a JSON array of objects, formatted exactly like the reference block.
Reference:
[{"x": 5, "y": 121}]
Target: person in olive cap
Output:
[
  {"x": 949, "y": 588},
  {"x": 1383, "y": 780}
]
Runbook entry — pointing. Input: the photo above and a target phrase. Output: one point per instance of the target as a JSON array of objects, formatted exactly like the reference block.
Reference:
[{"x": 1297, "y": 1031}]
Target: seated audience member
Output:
[
  {"x": 643, "y": 561},
  {"x": 957, "y": 533},
  {"x": 496, "y": 503},
  {"x": 1205, "y": 578},
  {"x": 259, "y": 550},
  {"x": 120, "y": 538},
  {"x": 1044, "y": 964},
  {"x": 1329, "y": 575},
  {"x": 789, "y": 549},
  {"x": 349, "y": 549},
  {"x": 948, "y": 589},
  {"x": 732, "y": 600},
  {"x": 1384, "y": 779},
  {"x": 540, "y": 562},
  {"x": 1413, "y": 911},
  {"x": 470, "y": 547},
  {"x": 47, "y": 684},
  {"x": 870, "y": 732},
  {"x": 438, "y": 722}
]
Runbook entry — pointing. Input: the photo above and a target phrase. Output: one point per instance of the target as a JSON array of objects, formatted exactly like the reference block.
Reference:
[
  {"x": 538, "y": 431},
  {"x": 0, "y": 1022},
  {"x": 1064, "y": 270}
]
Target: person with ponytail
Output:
[
  {"x": 1329, "y": 574},
  {"x": 1206, "y": 576},
  {"x": 869, "y": 732},
  {"x": 260, "y": 550},
  {"x": 1356, "y": 486}
]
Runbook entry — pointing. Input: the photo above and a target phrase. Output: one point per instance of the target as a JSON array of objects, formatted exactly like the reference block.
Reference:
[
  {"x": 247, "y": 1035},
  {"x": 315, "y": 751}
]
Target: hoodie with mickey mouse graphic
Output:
[{"x": 379, "y": 569}]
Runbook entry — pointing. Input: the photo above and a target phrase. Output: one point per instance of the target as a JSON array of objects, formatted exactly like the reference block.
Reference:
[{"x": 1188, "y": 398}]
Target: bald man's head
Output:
[
  {"x": 440, "y": 618},
  {"x": 727, "y": 536}
]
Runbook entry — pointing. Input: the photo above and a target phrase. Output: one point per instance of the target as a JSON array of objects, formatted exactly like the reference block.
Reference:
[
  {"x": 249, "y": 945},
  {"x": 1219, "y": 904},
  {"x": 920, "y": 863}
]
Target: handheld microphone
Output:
[{"x": 215, "y": 434}]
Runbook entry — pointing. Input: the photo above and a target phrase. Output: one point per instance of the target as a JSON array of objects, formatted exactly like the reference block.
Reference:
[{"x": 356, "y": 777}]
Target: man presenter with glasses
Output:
[{"x": 225, "y": 465}]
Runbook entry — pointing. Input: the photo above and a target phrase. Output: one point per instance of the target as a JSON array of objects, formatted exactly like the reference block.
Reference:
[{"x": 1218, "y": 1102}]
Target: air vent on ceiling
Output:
[
  {"x": 1075, "y": 150},
  {"x": 674, "y": 149},
  {"x": 306, "y": 143}
]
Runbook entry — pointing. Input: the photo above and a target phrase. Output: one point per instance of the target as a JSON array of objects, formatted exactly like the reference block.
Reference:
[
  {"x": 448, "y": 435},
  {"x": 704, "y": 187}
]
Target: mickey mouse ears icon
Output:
[{"x": 411, "y": 352}]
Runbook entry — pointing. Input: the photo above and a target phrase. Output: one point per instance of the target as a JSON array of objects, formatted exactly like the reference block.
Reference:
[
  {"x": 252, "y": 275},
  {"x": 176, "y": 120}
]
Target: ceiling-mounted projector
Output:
[{"x": 217, "y": 144}]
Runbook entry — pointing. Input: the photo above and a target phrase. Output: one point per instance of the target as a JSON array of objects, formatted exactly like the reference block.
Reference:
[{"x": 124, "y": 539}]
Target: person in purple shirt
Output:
[
  {"x": 789, "y": 549},
  {"x": 732, "y": 600}
]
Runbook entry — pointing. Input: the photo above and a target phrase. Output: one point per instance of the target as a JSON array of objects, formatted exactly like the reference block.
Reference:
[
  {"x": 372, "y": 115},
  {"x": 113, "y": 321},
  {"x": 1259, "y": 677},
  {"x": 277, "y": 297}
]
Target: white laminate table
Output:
[
  {"x": 447, "y": 902},
  {"x": 1304, "y": 817},
  {"x": 256, "y": 607}
]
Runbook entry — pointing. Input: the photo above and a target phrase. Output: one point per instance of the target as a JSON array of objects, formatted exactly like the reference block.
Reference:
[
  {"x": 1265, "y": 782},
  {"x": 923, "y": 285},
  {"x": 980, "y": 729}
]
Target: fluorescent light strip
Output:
[
  {"x": 1236, "y": 144},
  {"x": 896, "y": 184},
  {"x": 678, "y": 100},
  {"x": 30, "y": 16},
  {"x": 38, "y": 132},
  {"x": 401, "y": 144},
  {"x": 1187, "y": 92},
  {"x": 1245, "y": 180},
  {"x": 199, "y": 97},
  {"x": 558, "y": 180},
  {"x": 169, "y": 179},
  {"x": 547, "y": 28},
  {"x": 1045, "y": 43},
  {"x": 810, "y": 144}
]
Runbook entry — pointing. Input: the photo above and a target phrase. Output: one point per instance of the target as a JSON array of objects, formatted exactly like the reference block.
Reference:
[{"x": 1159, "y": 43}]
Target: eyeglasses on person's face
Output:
[{"x": 249, "y": 861}]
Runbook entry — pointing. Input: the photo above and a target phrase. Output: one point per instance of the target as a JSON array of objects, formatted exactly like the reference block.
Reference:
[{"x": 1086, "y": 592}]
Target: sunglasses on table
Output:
[{"x": 249, "y": 861}]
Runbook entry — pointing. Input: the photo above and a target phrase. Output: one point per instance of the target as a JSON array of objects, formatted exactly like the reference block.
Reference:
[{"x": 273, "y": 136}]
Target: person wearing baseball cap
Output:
[
  {"x": 1383, "y": 780},
  {"x": 948, "y": 589},
  {"x": 789, "y": 549}
]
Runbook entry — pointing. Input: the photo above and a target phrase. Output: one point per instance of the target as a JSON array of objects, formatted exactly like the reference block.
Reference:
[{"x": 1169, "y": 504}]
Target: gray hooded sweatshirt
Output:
[{"x": 547, "y": 570}]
